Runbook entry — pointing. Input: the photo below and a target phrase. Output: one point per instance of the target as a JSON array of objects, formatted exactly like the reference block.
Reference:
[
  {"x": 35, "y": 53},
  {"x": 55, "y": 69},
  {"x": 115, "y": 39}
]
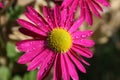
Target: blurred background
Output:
[{"x": 105, "y": 65}]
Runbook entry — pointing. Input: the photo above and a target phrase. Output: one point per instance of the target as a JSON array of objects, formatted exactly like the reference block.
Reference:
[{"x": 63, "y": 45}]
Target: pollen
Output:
[{"x": 59, "y": 40}]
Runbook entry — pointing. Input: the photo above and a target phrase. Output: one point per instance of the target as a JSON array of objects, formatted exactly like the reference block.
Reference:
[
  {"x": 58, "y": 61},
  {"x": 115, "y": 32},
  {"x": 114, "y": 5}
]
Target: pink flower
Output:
[
  {"x": 56, "y": 41},
  {"x": 87, "y": 7},
  {"x": 1, "y": 5}
]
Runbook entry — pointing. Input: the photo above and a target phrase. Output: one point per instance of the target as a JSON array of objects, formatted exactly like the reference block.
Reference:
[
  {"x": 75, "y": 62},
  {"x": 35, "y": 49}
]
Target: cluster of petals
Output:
[
  {"x": 1, "y": 5},
  {"x": 87, "y": 7},
  {"x": 37, "y": 52}
]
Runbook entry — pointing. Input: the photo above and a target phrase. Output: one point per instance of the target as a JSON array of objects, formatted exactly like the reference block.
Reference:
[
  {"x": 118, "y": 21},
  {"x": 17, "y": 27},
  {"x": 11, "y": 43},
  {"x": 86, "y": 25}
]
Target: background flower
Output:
[
  {"x": 1, "y": 5},
  {"x": 87, "y": 7}
]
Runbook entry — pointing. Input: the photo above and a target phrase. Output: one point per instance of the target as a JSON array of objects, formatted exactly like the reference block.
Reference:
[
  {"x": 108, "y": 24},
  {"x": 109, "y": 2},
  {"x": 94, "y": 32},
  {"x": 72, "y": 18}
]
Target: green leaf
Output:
[
  {"x": 30, "y": 76},
  {"x": 4, "y": 73},
  {"x": 10, "y": 48},
  {"x": 16, "y": 78}
]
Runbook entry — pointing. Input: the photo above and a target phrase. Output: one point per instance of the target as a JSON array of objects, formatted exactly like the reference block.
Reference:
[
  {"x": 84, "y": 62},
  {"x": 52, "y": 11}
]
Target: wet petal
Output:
[
  {"x": 82, "y": 34},
  {"x": 57, "y": 68},
  {"x": 64, "y": 16},
  {"x": 77, "y": 63},
  {"x": 49, "y": 16},
  {"x": 71, "y": 68},
  {"x": 82, "y": 51},
  {"x": 38, "y": 60},
  {"x": 31, "y": 27},
  {"x": 39, "y": 23},
  {"x": 28, "y": 56},
  {"x": 27, "y": 45},
  {"x": 65, "y": 71},
  {"x": 46, "y": 66},
  {"x": 84, "y": 42},
  {"x": 76, "y": 25},
  {"x": 57, "y": 15},
  {"x": 79, "y": 58}
]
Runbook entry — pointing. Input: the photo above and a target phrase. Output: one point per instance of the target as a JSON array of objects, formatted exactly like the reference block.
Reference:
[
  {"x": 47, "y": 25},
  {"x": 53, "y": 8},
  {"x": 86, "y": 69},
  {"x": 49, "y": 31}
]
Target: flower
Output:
[
  {"x": 87, "y": 7},
  {"x": 1, "y": 5},
  {"x": 56, "y": 41}
]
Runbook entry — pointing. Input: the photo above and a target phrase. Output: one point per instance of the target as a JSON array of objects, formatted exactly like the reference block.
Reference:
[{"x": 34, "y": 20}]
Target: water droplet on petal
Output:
[{"x": 83, "y": 36}]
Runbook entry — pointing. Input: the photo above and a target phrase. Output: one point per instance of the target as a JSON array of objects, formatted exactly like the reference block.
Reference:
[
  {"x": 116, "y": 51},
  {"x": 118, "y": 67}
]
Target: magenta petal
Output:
[
  {"x": 79, "y": 58},
  {"x": 65, "y": 71},
  {"x": 30, "y": 33},
  {"x": 28, "y": 56},
  {"x": 82, "y": 34},
  {"x": 77, "y": 63},
  {"x": 49, "y": 16},
  {"x": 84, "y": 42},
  {"x": 46, "y": 66},
  {"x": 1, "y": 5},
  {"x": 31, "y": 27},
  {"x": 57, "y": 68},
  {"x": 76, "y": 25},
  {"x": 38, "y": 60},
  {"x": 73, "y": 7},
  {"x": 82, "y": 8},
  {"x": 39, "y": 23},
  {"x": 71, "y": 68},
  {"x": 57, "y": 15},
  {"x": 64, "y": 16},
  {"x": 82, "y": 51},
  {"x": 88, "y": 15},
  {"x": 97, "y": 6},
  {"x": 94, "y": 10},
  {"x": 66, "y": 3},
  {"x": 36, "y": 14},
  {"x": 27, "y": 45},
  {"x": 104, "y": 2}
]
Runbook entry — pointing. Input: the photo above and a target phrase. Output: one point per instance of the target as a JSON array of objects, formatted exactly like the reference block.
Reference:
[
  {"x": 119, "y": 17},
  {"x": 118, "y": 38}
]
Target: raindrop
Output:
[{"x": 83, "y": 36}]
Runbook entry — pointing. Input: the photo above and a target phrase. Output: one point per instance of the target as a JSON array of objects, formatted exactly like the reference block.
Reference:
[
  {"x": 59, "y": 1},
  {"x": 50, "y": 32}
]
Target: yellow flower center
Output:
[{"x": 59, "y": 40}]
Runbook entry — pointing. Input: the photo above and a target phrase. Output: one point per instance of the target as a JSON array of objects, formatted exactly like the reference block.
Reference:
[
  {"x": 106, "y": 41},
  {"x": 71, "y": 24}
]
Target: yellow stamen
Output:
[{"x": 59, "y": 40}]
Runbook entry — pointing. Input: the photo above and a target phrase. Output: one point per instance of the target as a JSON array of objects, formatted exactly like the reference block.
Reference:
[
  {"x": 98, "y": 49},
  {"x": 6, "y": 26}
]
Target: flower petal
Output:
[
  {"x": 93, "y": 9},
  {"x": 46, "y": 66},
  {"x": 57, "y": 15},
  {"x": 36, "y": 14},
  {"x": 76, "y": 25},
  {"x": 104, "y": 2},
  {"x": 31, "y": 27},
  {"x": 71, "y": 68},
  {"x": 84, "y": 42},
  {"x": 82, "y": 51},
  {"x": 30, "y": 33},
  {"x": 82, "y": 34},
  {"x": 49, "y": 16},
  {"x": 97, "y": 6},
  {"x": 38, "y": 60},
  {"x": 28, "y": 56},
  {"x": 64, "y": 16},
  {"x": 57, "y": 68},
  {"x": 88, "y": 15},
  {"x": 27, "y": 45},
  {"x": 65, "y": 71},
  {"x": 1, "y": 5},
  {"x": 44, "y": 27},
  {"x": 66, "y": 3},
  {"x": 79, "y": 58},
  {"x": 77, "y": 63}
]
